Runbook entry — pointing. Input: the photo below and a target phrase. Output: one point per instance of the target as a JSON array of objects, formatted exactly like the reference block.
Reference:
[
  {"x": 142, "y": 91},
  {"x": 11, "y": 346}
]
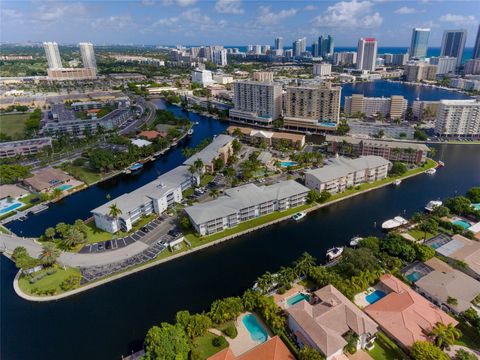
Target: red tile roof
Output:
[{"x": 273, "y": 349}]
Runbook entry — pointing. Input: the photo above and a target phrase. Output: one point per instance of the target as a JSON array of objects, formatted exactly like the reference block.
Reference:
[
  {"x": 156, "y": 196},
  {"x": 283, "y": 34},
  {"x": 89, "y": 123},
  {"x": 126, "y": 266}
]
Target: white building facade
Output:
[{"x": 458, "y": 118}]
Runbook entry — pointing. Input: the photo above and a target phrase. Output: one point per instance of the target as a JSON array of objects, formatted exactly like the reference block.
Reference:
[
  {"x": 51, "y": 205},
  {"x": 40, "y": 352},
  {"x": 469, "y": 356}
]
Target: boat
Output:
[
  {"x": 432, "y": 205},
  {"x": 334, "y": 253},
  {"x": 394, "y": 223},
  {"x": 299, "y": 216},
  {"x": 397, "y": 182},
  {"x": 355, "y": 240},
  {"x": 441, "y": 163},
  {"x": 196, "y": 123},
  {"x": 430, "y": 171},
  {"x": 135, "y": 168},
  {"x": 190, "y": 132}
]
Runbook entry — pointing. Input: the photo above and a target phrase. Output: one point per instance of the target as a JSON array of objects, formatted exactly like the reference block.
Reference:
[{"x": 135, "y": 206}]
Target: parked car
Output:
[{"x": 145, "y": 229}]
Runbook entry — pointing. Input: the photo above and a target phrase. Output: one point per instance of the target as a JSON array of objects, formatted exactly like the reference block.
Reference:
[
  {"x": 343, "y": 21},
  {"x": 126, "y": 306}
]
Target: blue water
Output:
[
  {"x": 297, "y": 298},
  {"x": 288, "y": 163},
  {"x": 414, "y": 276},
  {"x": 10, "y": 208},
  {"x": 64, "y": 187},
  {"x": 462, "y": 223},
  {"x": 256, "y": 330},
  {"x": 375, "y": 296},
  {"x": 327, "y": 124},
  {"x": 476, "y": 206}
]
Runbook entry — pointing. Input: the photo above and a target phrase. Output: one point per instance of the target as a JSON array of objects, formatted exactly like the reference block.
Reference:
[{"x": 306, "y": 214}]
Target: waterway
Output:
[{"x": 111, "y": 320}]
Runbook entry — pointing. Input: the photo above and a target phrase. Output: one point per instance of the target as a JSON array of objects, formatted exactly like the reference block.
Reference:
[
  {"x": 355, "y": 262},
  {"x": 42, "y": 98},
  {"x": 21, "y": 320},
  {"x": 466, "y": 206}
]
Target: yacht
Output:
[
  {"x": 355, "y": 240},
  {"x": 299, "y": 216},
  {"x": 430, "y": 171},
  {"x": 334, "y": 253},
  {"x": 432, "y": 205},
  {"x": 190, "y": 132},
  {"x": 397, "y": 182},
  {"x": 441, "y": 163},
  {"x": 394, "y": 223}
]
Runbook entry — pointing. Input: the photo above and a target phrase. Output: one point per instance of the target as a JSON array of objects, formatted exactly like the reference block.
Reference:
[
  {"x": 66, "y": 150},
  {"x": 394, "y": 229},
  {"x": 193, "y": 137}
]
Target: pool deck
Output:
[
  {"x": 281, "y": 299},
  {"x": 360, "y": 299},
  {"x": 243, "y": 342}
]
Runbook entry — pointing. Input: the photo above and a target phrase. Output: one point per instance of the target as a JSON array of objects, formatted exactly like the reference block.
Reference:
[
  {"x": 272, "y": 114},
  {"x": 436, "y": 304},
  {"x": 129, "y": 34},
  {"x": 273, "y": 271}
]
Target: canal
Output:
[{"x": 111, "y": 320}]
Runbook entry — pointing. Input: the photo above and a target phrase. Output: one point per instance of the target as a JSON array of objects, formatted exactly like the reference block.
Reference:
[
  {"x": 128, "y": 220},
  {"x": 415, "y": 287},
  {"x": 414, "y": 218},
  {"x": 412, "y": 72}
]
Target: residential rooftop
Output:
[{"x": 211, "y": 151}]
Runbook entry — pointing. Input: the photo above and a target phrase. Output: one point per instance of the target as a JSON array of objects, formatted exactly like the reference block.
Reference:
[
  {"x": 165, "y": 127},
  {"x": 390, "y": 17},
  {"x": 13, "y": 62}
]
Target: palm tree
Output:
[
  {"x": 285, "y": 277},
  {"x": 198, "y": 164},
  {"x": 192, "y": 169},
  {"x": 56, "y": 193},
  {"x": 445, "y": 335},
  {"x": 49, "y": 254},
  {"x": 74, "y": 237},
  {"x": 304, "y": 263},
  {"x": 265, "y": 282},
  {"x": 50, "y": 233},
  {"x": 114, "y": 211},
  {"x": 214, "y": 193}
]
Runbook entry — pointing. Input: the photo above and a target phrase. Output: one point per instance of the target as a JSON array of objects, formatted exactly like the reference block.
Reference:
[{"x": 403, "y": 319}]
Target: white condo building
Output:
[
  {"x": 88, "y": 55},
  {"x": 345, "y": 58},
  {"x": 458, "y": 118},
  {"x": 366, "y": 54},
  {"x": 53, "y": 55},
  {"x": 322, "y": 69},
  {"x": 445, "y": 64},
  {"x": 202, "y": 77},
  {"x": 394, "y": 106},
  {"x": 219, "y": 57}
]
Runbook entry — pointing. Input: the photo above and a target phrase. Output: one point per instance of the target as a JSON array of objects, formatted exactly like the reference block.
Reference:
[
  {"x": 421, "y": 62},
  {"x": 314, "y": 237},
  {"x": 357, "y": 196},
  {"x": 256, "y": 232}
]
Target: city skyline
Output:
[{"x": 233, "y": 22}]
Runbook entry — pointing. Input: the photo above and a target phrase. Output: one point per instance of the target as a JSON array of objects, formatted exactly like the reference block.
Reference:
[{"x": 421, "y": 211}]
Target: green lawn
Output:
[
  {"x": 204, "y": 347},
  {"x": 470, "y": 337},
  {"x": 82, "y": 173},
  {"x": 419, "y": 234},
  {"x": 206, "y": 179},
  {"x": 386, "y": 349},
  {"x": 48, "y": 282},
  {"x": 13, "y": 124}
]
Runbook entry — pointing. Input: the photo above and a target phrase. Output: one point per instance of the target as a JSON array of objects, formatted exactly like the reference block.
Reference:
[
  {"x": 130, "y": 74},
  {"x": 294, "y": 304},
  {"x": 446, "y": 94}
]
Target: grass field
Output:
[
  {"x": 419, "y": 234},
  {"x": 204, "y": 347},
  {"x": 48, "y": 282},
  {"x": 386, "y": 349},
  {"x": 82, "y": 173},
  {"x": 13, "y": 124}
]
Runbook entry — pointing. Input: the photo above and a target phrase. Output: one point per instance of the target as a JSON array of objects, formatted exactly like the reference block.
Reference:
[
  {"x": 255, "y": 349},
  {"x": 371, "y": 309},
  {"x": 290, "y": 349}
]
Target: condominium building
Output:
[
  {"x": 322, "y": 69},
  {"x": 219, "y": 57},
  {"x": 88, "y": 55},
  {"x": 458, "y": 118},
  {"x": 243, "y": 203},
  {"x": 472, "y": 67},
  {"x": 422, "y": 107},
  {"x": 202, "y": 77},
  {"x": 219, "y": 148},
  {"x": 312, "y": 108},
  {"x": 445, "y": 64},
  {"x": 453, "y": 44},
  {"x": 465, "y": 84},
  {"x": 419, "y": 43},
  {"x": 325, "y": 46},
  {"x": 73, "y": 74},
  {"x": 24, "y": 147},
  {"x": 270, "y": 138},
  {"x": 366, "y": 54},
  {"x": 345, "y": 58},
  {"x": 387, "y": 58},
  {"x": 256, "y": 102},
  {"x": 279, "y": 43},
  {"x": 373, "y": 129},
  {"x": 53, "y": 55},
  {"x": 420, "y": 71},
  {"x": 476, "y": 46},
  {"x": 341, "y": 173},
  {"x": 264, "y": 76},
  {"x": 399, "y": 59},
  {"x": 299, "y": 46},
  {"x": 394, "y": 107}
]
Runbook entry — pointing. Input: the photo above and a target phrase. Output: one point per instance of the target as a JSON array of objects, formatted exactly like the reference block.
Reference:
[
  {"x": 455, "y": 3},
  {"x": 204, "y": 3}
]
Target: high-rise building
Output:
[
  {"x": 366, "y": 54},
  {"x": 53, "y": 55},
  {"x": 472, "y": 67},
  {"x": 419, "y": 43},
  {"x": 399, "y": 59},
  {"x": 265, "y": 49},
  {"x": 264, "y": 76},
  {"x": 395, "y": 106},
  {"x": 458, "y": 118},
  {"x": 453, "y": 44},
  {"x": 345, "y": 58},
  {"x": 88, "y": 55},
  {"x": 322, "y": 69},
  {"x": 325, "y": 45},
  {"x": 476, "y": 46},
  {"x": 315, "y": 50},
  {"x": 256, "y": 102},
  {"x": 202, "y": 77},
  {"x": 314, "y": 108},
  {"x": 279, "y": 43},
  {"x": 299, "y": 46},
  {"x": 445, "y": 64},
  {"x": 257, "y": 49},
  {"x": 249, "y": 48},
  {"x": 387, "y": 58},
  {"x": 219, "y": 57},
  {"x": 420, "y": 71}
]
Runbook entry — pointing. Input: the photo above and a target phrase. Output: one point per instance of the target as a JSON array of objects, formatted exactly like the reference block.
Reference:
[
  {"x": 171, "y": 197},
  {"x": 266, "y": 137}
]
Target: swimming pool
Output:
[
  {"x": 414, "y": 276},
  {"x": 256, "y": 330},
  {"x": 64, "y": 187},
  {"x": 375, "y": 296},
  {"x": 476, "y": 206},
  {"x": 327, "y": 124},
  {"x": 297, "y": 298},
  {"x": 464, "y": 224},
  {"x": 288, "y": 163},
  {"x": 6, "y": 207}
]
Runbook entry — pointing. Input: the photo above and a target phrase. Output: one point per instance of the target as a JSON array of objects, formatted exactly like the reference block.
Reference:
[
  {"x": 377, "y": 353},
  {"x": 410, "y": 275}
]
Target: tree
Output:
[
  {"x": 50, "y": 233},
  {"x": 459, "y": 205},
  {"x": 343, "y": 128},
  {"x": 10, "y": 174},
  {"x": 265, "y": 282},
  {"x": 445, "y": 335},
  {"x": 285, "y": 277},
  {"x": 198, "y": 164},
  {"x": 74, "y": 237},
  {"x": 213, "y": 193},
  {"x": 236, "y": 145},
  {"x": 62, "y": 229},
  {"x": 114, "y": 211},
  {"x": 308, "y": 353},
  {"x": 423, "y": 252},
  {"x": 462, "y": 354},
  {"x": 194, "y": 325},
  {"x": 423, "y": 350},
  {"x": 440, "y": 211},
  {"x": 304, "y": 263},
  {"x": 420, "y": 135},
  {"x": 49, "y": 254},
  {"x": 167, "y": 342},
  {"x": 452, "y": 301},
  {"x": 237, "y": 132},
  {"x": 398, "y": 169},
  {"x": 226, "y": 309},
  {"x": 324, "y": 196},
  {"x": 428, "y": 226},
  {"x": 474, "y": 194},
  {"x": 218, "y": 164}
]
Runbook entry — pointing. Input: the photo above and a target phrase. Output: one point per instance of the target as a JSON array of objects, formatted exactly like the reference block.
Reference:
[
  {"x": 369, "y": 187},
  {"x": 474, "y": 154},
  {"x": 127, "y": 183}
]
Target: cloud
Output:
[
  {"x": 191, "y": 19},
  {"x": 268, "y": 17},
  {"x": 353, "y": 14},
  {"x": 404, "y": 10},
  {"x": 229, "y": 7},
  {"x": 148, "y": 2},
  {"x": 458, "y": 19},
  {"x": 182, "y": 3},
  {"x": 310, "y": 8},
  {"x": 113, "y": 22}
]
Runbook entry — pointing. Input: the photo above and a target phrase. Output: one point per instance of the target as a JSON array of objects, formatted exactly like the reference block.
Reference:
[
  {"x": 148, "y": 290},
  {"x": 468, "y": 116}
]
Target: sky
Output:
[{"x": 232, "y": 22}]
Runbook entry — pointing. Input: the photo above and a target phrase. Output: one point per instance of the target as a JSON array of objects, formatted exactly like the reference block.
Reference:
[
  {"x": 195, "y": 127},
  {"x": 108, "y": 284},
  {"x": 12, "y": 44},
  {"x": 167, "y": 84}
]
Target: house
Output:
[
  {"x": 151, "y": 134},
  {"x": 47, "y": 179},
  {"x": 141, "y": 142},
  {"x": 12, "y": 191},
  {"x": 341, "y": 173},
  {"x": 444, "y": 284},
  {"x": 323, "y": 323},
  {"x": 273, "y": 349},
  {"x": 243, "y": 203},
  {"x": 219, "y": 148},
  {"x": 270, "y": 138},
  {"x": 405, "y": 315}
]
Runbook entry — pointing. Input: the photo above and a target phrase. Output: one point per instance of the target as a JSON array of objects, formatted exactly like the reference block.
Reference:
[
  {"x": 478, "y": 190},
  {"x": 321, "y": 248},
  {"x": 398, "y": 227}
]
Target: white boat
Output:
[
  {"x": 430, "y": 171},
  {"x": 299, "y": 216},
  {"x": 394, "y": 223},
  {"x": 397, "y": 182},
  {"x": 433, "y": 204},
  {"x": 355, "y": 240},
  {"x": 334, "y": 253},
  {"x": 441, "y": 163},
  {"x": 190, "y": 132}
]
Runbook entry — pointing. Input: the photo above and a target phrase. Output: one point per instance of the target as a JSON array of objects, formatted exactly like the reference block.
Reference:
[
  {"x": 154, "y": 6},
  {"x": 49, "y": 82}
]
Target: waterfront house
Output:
[
  {"x": 270, "y": 138},
  {"x": 151, "y": 134},
  {"x": 243, "y": 203},
  {"x": 47, "y": 179},
  {"x": 323, "y": 322},
  {"x": 12, "y": 191},
  {"x": 219, "y": 148},
  {"x": 341, "y": 173},
  {"x": 273, "y": 349},
  {"x": 403, "y": 314},
  {"x": 447, "y": 287}
]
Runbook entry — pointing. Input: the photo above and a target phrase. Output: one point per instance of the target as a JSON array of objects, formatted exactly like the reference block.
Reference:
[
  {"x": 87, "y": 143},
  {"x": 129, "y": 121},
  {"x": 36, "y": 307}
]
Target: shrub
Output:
[
  {"x": 78, "y": 162},
  {"x": 231, "y": 331},
  {"x": 70, "y": 282},
  {"x": 220, "y": 341},
  {"x": 51, "y": 271}
]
